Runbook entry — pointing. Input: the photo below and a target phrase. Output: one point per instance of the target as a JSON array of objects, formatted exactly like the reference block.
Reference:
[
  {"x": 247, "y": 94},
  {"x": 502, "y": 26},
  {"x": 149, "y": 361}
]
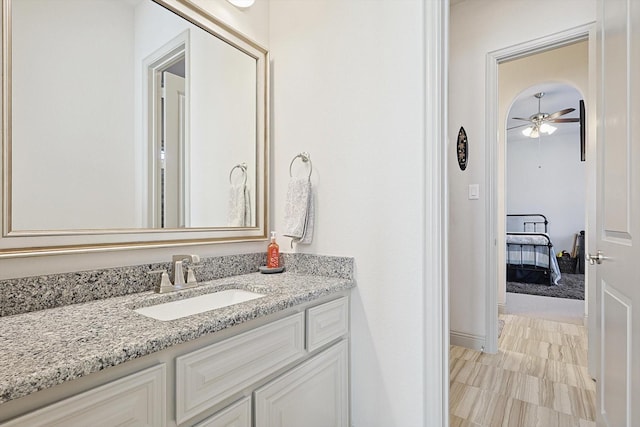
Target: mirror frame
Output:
[{"x": 53, "y": 242}]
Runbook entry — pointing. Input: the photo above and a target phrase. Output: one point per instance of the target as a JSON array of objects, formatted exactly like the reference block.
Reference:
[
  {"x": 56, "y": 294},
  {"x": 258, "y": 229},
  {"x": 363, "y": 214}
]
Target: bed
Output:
[{"x": 530, "y": 255}]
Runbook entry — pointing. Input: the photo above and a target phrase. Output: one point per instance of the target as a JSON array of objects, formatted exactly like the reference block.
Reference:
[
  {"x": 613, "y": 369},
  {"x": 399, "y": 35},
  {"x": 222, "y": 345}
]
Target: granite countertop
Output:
[{"x": 41, "y": 349}]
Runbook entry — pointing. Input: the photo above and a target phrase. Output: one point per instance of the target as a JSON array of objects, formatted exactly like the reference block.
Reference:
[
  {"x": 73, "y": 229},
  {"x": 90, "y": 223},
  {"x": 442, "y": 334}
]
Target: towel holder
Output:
[
  {"x": 304, "y": 156},
  {"x": 243, "y": 167}
]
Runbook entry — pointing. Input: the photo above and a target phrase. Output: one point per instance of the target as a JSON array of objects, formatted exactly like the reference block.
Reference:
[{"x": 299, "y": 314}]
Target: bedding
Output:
[{"x": 531, "y": 252}]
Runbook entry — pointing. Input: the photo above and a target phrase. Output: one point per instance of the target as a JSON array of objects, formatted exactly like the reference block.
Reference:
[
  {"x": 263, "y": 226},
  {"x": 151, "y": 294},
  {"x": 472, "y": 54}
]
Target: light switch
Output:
[{"x": 474, "y": 191}]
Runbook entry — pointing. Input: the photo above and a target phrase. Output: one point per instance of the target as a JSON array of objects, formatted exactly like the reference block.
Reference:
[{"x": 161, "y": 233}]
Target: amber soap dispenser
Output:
[{"x": 273, "y": 252}]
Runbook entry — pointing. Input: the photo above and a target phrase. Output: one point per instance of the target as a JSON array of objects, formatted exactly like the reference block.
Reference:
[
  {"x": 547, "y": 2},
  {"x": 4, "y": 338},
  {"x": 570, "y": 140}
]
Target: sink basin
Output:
[{"x": 199, "y": 304}]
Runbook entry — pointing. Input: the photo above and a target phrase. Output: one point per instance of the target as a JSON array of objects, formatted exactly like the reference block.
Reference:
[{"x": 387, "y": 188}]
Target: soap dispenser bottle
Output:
[{"x": 273, "y": 252}]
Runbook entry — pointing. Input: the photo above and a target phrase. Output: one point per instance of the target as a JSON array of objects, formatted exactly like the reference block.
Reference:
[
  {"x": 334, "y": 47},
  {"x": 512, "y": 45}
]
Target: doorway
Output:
[
  {"x": 497, "y": 110},
  {"x": 166, "y": 83},
  {"x": 545, "y": 178},
  {"x": 170, "y": 210}
]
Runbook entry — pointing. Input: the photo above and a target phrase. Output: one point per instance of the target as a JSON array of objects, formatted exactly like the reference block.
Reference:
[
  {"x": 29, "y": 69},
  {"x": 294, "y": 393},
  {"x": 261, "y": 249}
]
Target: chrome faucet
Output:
[{"x": 177, "y": 272}]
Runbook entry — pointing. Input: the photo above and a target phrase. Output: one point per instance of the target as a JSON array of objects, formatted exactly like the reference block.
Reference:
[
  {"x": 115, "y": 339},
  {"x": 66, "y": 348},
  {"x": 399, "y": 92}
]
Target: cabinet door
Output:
[
  {"x": 135, "y": 400},
  {"x": 315, "y": 394},
  {"x": 236, "y": 415}
]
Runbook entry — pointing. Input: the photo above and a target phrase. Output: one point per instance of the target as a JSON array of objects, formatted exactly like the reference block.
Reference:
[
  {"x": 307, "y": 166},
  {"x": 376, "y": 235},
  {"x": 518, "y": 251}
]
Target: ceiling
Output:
[{"x": 557, "y": 96}]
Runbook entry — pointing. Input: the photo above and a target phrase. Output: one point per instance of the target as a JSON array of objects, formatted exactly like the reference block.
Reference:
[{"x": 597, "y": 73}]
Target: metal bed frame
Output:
[{"x": 517, "y": 269}]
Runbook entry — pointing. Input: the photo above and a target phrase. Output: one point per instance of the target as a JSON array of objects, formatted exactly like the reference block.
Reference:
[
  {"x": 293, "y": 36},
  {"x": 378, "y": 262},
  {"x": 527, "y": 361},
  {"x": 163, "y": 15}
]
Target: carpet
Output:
[{"x": 570, "y": 286}]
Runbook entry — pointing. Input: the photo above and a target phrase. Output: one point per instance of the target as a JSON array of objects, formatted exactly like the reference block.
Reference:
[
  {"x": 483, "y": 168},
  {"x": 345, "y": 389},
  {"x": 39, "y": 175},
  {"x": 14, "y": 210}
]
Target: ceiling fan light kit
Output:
[
  {"x": 539, "y": 122},
  {"x": 547, "y": 128},
  {"x": 535, "y": 131},
  {"x": 531, "y": 132}
]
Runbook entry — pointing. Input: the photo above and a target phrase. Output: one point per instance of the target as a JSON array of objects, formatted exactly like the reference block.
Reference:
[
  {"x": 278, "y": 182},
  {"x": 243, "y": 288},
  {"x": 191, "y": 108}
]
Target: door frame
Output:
[
  {"x": 152, "y": 67},
  {"x": 495, "y": 167},
  {"x": 435, "y": 229},
  {"x": 183, "y": 153}
]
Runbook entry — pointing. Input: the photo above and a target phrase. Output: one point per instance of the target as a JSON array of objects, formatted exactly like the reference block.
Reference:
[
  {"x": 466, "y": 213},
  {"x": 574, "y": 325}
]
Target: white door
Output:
[
  {"x": 618, "y": 213},
  {"x": 173, "y": 197}
]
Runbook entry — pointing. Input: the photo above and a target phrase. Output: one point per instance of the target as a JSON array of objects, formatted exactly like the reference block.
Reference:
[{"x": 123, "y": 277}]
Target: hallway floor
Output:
[
  {"x": 538, "y": 378},
  {"x": 559, "y": 309}
]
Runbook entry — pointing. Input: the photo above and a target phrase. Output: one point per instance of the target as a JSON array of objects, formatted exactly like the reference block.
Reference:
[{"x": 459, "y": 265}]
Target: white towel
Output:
[
  {"x": 239, "y": 206},
  {"x": 299, "y": 211},
  {"x": 311, "y": 213}
]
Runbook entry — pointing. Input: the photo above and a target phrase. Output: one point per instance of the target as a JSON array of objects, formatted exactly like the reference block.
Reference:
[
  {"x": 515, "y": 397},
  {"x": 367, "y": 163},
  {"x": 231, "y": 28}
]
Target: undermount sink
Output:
[{"x": 199, "y": 304}]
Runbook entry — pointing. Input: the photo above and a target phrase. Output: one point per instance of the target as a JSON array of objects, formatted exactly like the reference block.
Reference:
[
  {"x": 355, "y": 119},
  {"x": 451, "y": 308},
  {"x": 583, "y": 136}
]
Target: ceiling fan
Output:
[{"x": 539, "y": 122}]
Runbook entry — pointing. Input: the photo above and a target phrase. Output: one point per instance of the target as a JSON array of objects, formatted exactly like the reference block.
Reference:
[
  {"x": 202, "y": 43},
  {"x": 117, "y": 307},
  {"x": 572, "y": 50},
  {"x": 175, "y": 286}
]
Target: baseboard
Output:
[
  {"x": 461, "y": 339},
  {"x": 502, "y": 308}
]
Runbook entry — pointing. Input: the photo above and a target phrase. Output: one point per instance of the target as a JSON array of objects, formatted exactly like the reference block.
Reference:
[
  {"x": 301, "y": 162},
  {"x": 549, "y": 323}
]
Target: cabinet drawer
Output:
[
  {"x": 137, "y": 399},
  {"x": 236, "y": 415},
  {"x": 208, "y": 376},
  {"x": 327, "y": 322}
]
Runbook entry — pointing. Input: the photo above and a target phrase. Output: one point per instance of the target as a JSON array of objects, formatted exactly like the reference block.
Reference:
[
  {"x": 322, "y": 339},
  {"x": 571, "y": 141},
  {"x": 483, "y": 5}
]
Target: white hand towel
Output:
[
  {"x": 308, "y": 231},
  {"x": 298, "y": 212},
  {"x": 239, "y": 206},
  {"x": 247, "y": 207}
]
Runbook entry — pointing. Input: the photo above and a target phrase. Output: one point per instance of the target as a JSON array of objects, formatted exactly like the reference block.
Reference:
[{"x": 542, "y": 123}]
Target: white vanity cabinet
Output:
[
  {"x": 314, "y": 393},
  {"x": 289, "y": 369},
  {"x": 137, "y": 400}
]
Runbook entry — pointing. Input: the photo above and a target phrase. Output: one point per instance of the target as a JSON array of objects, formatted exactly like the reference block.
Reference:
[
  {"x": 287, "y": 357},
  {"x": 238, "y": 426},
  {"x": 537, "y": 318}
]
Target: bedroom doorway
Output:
[
  {"x": 545, "y": 176},
  {"x": 544, "y": 171},
  {"x": 498, "y": 107}
]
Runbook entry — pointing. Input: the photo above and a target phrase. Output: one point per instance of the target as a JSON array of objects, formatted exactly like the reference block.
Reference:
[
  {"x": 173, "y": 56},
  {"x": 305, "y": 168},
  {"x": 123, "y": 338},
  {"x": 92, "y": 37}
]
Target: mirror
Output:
[{"x": 130, "y": 121}]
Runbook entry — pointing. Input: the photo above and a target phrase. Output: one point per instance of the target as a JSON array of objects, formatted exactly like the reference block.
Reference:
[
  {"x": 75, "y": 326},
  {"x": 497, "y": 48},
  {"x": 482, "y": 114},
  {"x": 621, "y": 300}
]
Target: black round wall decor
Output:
[{"x": 462, "y": 149}]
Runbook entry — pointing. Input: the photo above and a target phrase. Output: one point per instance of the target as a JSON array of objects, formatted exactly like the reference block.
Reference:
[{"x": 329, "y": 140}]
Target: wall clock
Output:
[{"x": 462, "y": 149}]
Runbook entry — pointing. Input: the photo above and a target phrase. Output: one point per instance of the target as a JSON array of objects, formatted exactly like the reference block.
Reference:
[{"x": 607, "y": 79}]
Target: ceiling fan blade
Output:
[
  {"x": 516, "y": 127},
  {"x": 520, "y": 118},
  {"x": 559, "y": 113},
  {"x": 568, "y": 120}
]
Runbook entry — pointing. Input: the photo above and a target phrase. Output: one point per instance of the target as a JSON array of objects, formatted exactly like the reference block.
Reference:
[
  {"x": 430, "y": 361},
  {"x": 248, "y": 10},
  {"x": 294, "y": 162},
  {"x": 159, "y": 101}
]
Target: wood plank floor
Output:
[{"x": 538, "y": 378}]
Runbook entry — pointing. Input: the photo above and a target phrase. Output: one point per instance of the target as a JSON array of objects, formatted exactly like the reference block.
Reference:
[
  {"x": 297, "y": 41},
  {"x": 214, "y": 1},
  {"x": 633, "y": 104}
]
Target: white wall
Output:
[
  {"x": 227, "y": 93},
  {"x": 550, "y": 180},
  {"x": 98, "y": 154},
  {"x": 477, "y": 28},
  {"x": 348, "y": 88},
  {"x": 77, "y": 162}
]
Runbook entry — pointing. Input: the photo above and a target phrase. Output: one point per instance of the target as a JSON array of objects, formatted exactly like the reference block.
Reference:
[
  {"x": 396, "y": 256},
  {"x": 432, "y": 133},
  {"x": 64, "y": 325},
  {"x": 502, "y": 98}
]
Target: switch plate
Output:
[{"x": 474, "y": 191}]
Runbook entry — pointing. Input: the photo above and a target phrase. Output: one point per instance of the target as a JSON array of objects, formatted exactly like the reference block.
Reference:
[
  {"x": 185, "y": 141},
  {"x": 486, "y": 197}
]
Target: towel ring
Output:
[
  {"x": 306, "y": 159},
  {"x": 243, "y": 168}
]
